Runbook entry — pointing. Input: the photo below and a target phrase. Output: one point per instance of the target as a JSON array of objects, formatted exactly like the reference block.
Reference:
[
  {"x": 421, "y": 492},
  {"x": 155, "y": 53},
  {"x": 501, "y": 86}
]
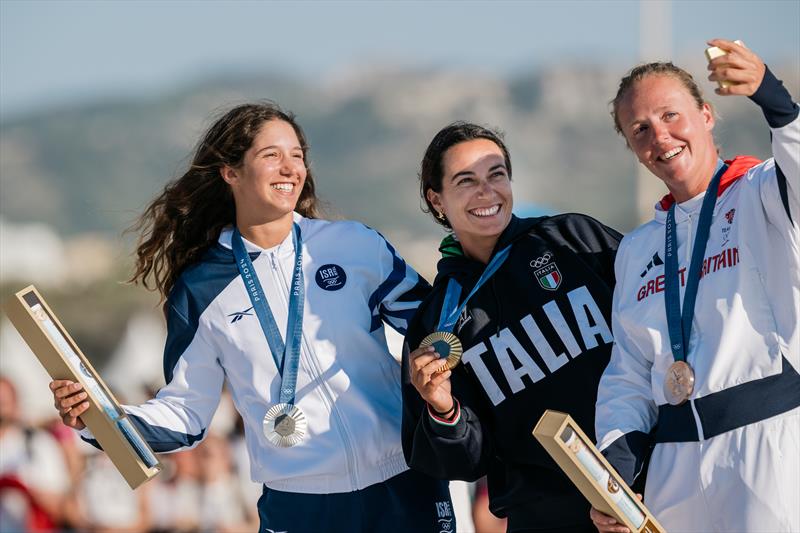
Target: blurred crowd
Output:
[{"x": 50, "y": 480}]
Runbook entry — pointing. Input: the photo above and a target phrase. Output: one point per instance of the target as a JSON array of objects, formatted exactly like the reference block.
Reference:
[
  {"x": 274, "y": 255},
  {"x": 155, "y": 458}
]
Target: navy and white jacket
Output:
[
  {"x": 348, "y": 383},
  {"x": 746, "y": 326}
]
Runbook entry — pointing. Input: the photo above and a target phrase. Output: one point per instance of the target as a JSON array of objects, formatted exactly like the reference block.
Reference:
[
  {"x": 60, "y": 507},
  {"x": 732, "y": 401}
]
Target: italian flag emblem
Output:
[{"x": 549, "y": 277}]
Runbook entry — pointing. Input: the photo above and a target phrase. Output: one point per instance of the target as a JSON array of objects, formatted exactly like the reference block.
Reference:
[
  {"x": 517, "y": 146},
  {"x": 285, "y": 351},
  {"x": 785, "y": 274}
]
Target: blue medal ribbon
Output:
[
  {"x": 286, "y": 356},
  {"x": 450, "y": 308},
  {"x": 680, "y": 323}
]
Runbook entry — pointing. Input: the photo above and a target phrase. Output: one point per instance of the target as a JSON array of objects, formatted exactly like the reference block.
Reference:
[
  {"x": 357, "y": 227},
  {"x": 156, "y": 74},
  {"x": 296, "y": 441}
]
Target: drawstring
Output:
[{"x": 499, "y": 307}]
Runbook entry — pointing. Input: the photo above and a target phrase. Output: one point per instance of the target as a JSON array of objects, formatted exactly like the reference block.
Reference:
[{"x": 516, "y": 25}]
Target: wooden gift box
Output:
[
  {"x": 61, "y": 357},
  {"x": 586, "y": 467}
]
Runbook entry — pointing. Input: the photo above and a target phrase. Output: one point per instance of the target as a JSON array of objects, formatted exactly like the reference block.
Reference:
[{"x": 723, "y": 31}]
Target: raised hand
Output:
[{"x": 740, "y": 66}]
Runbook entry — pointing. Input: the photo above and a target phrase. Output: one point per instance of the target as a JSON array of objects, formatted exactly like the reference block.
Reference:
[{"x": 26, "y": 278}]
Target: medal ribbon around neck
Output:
[
  {"x": 284, "y": 424},
  {"x": 289, "y": 358},
  {"x": 444, "y": 342},
  {"x": 680, "y": 323},
  {"x": 450, "y": 308}
]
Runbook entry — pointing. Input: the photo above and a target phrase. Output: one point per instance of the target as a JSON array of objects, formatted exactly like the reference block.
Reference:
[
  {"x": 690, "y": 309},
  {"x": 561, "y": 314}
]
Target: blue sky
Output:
[{"x": 53, "y": 53}]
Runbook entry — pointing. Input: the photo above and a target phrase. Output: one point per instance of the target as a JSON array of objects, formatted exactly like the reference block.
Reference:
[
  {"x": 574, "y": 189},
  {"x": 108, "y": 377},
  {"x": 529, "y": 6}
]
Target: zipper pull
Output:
[{"x": 272, "y": 258}]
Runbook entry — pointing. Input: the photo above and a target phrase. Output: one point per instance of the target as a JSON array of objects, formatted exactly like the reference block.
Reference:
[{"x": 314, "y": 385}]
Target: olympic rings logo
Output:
[{"x": 539, "y": 262}]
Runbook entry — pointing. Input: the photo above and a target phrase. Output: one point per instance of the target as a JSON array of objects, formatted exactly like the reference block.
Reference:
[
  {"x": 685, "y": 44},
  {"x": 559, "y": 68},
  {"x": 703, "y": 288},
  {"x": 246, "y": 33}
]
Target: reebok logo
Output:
[{"x": 238, "y": 315}]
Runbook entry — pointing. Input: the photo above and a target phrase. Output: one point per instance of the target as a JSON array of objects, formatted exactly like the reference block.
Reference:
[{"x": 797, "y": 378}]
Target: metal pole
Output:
[{"x": 655, "y": 44}]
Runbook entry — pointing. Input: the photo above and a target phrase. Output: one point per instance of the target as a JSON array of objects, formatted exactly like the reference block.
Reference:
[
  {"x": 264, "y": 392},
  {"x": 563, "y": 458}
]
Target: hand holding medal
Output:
[
  {"x": 432, "y": 384},
  {"x": 429, "y": 374}
]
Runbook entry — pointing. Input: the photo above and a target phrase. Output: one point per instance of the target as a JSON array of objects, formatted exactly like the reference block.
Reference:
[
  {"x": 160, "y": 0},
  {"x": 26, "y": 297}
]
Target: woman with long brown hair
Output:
[{"x": 289, "y": 309}]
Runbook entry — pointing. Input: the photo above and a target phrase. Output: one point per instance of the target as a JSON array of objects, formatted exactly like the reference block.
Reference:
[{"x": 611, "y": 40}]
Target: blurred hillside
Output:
[
  {"x": 81, "y": 175},
  {"x": 93, "y": 168}
]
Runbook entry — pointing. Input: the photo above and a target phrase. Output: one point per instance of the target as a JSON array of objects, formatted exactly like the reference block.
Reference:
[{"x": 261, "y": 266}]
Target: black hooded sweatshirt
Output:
[{"x": 536, "y": 336}]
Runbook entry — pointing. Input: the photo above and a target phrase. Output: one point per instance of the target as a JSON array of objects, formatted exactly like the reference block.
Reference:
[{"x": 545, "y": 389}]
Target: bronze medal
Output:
[
  {"x": 285, "y": 425},
  {"x": 447, "y": 346},
  {"x": 678, "y": 383}
]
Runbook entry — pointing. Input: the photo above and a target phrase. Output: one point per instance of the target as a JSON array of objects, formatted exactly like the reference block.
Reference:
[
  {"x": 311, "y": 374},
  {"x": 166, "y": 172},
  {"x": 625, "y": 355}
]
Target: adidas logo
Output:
[{"x": 654, "y": 262}]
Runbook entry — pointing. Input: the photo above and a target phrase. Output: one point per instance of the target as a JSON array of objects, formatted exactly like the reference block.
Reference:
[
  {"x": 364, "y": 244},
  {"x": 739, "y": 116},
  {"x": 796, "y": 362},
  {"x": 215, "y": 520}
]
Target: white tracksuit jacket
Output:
[
  {"x": 707, "y": 473},
  {"x": 348, "y": 383}
]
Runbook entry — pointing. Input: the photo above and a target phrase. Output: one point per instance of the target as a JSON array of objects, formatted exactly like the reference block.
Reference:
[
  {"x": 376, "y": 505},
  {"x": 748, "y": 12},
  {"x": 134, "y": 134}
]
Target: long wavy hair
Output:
[{"x": 182, "y": 222}]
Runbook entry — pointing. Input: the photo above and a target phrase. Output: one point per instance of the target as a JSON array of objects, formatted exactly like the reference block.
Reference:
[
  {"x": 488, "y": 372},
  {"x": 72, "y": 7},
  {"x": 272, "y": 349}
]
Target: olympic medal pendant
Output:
[
  {"x": 285, "y": 425},
  {"x": 447, "y": 346},
  {"x": 678, "y": 383}
]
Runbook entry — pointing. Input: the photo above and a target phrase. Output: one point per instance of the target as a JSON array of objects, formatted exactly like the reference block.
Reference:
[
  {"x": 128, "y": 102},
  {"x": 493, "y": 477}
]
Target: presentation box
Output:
[
  {"x": 597, "y": 480},
  {"x": 61, "y": 357}
]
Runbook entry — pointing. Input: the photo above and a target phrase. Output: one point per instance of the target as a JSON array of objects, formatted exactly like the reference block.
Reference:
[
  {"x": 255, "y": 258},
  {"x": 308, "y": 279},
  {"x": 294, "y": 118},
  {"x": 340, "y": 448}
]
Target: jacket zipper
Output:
[
  {"x": 327, "y": 395},
  {"x": 689, "y": 241},
  {"x": 497, "y": 305}
]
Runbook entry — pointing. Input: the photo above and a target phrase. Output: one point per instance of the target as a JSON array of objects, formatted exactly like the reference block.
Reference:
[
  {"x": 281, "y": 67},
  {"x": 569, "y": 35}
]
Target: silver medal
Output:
[
  {"x": 285, "y": 425},
  {"x": 678, "y": 383}
]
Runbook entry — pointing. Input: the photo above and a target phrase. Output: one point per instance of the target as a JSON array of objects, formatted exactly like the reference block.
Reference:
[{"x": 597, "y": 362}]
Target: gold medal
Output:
[
  {"x": 447, "y": 346},
  {"x": 285, "y": 425},
  {"x": 678, "y": 383}
]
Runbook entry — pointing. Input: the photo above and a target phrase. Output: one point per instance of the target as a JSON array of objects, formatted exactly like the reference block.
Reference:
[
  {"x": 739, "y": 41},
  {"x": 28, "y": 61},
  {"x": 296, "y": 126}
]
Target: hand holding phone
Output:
[{"x": 714, "y": 52}]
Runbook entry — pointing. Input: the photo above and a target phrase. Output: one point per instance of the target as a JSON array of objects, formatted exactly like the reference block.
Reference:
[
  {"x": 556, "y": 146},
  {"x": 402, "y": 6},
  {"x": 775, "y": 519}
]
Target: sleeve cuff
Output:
[
  {"x": 627, "y": 454},
  {"x": 88, "y": 437},
  {"x": 775, "y": 101},
  {"x": 449, "y": 428}
]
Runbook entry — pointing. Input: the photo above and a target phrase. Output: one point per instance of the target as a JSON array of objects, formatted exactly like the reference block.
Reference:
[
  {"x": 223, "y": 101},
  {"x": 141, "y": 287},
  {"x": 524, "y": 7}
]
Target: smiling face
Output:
[
  {"x": 475, "y": 195},
  {"x": 267, "y": 185},
  {"x": 670, "y": 134}
]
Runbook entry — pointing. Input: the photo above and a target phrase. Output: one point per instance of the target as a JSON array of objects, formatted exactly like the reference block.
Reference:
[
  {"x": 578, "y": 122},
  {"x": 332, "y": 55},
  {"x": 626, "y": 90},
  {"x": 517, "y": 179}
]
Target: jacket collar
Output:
[
  {"x": 455, "y": 264},
  {"x": 287, "y": 245},
  {"x": 737, "y": 168}
]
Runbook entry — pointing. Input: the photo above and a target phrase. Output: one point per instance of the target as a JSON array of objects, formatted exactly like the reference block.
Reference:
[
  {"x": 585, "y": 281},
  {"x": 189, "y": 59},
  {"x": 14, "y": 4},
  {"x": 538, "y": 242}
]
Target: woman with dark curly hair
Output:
[{"x": 289, "y": 309}]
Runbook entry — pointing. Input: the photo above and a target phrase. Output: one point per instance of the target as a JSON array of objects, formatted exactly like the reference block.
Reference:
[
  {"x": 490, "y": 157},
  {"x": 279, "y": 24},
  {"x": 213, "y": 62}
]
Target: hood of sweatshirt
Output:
[{"x": 454, "y": 264}]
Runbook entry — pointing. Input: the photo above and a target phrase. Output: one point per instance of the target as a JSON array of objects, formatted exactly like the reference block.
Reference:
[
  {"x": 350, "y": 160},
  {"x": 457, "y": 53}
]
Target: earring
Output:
[{"x": 440, "y": 216}]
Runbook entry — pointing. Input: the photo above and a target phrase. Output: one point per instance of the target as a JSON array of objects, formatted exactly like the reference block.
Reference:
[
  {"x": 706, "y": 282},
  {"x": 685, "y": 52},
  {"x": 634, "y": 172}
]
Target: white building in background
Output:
[
  {"x": 35, "y": 253},
  {"x": 32, "y": 252}
]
